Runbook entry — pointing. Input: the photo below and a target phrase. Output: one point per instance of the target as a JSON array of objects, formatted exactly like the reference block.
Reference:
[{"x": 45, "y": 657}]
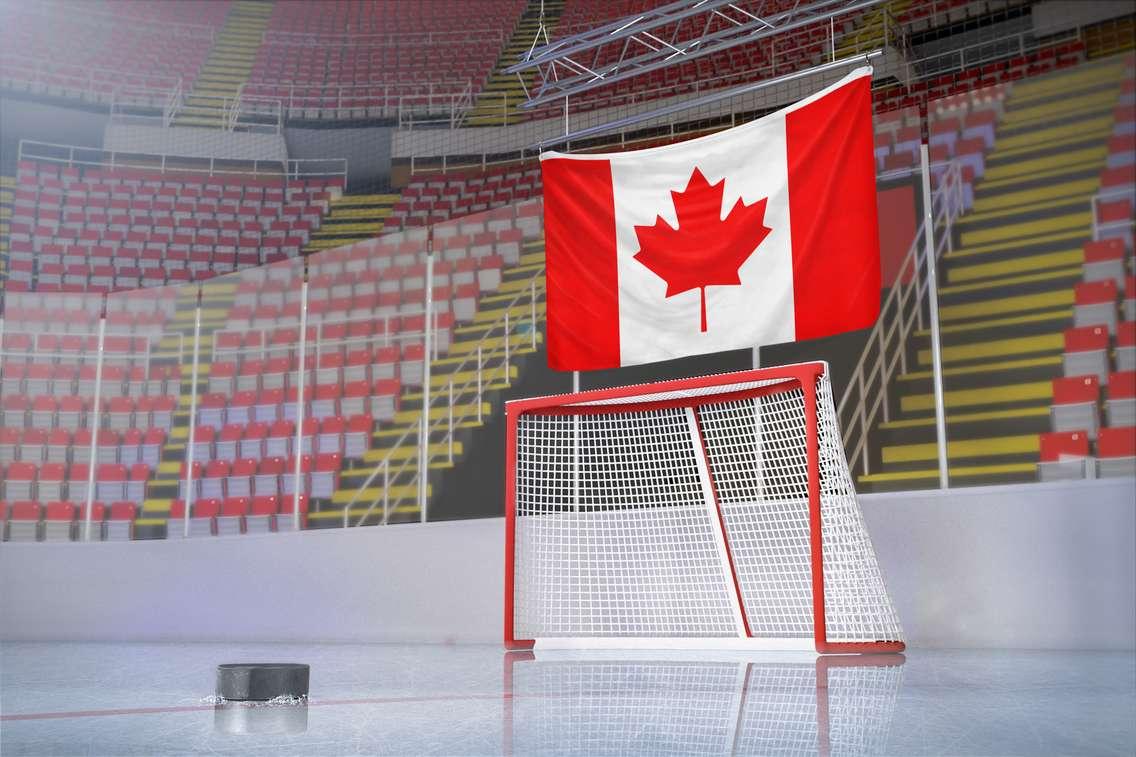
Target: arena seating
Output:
[
  {"x": 108, "y": 45},
  {"x": 103, "y": 229},
  {"x": 363, "y": 56}
]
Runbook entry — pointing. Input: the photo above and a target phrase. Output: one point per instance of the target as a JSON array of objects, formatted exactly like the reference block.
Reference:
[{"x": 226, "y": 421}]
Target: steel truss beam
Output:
[{"x": 662, "y": 37}]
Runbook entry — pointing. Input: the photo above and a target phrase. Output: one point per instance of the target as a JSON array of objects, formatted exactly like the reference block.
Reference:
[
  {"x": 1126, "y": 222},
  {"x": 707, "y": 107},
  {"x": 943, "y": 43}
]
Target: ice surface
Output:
[{"x": 155, "y": 699}]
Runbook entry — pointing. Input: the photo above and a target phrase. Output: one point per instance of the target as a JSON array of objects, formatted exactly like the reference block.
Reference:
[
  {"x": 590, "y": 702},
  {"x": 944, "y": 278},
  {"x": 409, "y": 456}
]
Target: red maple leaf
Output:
[{"x": 704, "y": 250}]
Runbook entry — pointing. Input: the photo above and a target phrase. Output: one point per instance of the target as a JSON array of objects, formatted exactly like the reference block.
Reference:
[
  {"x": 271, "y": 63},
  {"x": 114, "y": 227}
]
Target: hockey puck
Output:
[{"x": 260, "y": 681}]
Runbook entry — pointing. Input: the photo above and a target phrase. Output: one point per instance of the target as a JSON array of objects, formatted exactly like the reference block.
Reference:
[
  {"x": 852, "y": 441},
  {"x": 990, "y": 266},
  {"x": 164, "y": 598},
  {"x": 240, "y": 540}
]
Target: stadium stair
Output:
[
  {"x": 1006, "y": 291},
  {"x": 870, "y": 32},
  {"x": 399, "y": 441},
  {"x": 7, "y": 196},
  {"x": 216, "y": 299},
  {"x": 1110, "y": 37},
  {"x": 495, "y": 103},
  {"x": 352, "y": 218},
  {"x": 228, "y": 66}
]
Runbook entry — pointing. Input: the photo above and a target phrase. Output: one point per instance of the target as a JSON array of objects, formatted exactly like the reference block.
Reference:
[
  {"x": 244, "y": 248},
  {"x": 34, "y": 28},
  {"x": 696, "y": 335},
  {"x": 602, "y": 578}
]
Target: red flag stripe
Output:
[
  {"x": 832, "y": 212},
  {"x": 583, "y": 276}
]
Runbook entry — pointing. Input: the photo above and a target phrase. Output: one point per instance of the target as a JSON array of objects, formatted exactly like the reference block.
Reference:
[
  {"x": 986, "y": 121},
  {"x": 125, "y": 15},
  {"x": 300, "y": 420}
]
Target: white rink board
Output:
[{"x": 1033, "y": 566}]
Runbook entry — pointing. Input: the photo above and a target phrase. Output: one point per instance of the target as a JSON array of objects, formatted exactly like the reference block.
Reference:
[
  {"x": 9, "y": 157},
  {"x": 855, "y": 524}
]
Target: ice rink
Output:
[{"x": 156, "y": 699}]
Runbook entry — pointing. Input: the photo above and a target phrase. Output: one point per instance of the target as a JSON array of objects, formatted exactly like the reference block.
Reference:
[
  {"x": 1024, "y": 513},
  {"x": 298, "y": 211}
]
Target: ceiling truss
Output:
[{"x": 665, "y": 36}]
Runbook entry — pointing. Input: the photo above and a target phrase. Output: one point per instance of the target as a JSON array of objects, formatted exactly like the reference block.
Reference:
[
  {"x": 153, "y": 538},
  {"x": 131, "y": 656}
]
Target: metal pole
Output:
[
  {"x": 192, "y": 418},
  {"x": 755, "y": 360},
  {"x": 532, "y": 311},
  {"x": 424, "y": 433},
  {"x": 299, "y": 448},
  {"x": 933, "y": 303},
  {"x": 94, "y": 418},
  {"x": 479, "y": 383},
  {"x": 450, "y": 424}
]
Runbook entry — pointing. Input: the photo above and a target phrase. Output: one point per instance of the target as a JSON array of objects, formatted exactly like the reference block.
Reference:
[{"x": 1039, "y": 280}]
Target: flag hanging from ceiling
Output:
[{"x": 760, "y": 234}]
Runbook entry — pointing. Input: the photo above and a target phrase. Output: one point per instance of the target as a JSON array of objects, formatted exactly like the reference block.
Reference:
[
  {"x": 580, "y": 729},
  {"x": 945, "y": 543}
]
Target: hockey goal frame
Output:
[{"x": 804, "y": 376}]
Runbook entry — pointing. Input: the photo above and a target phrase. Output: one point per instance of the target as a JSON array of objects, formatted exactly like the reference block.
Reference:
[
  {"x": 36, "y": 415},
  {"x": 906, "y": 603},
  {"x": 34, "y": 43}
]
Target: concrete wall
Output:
[
  {"x": 367, "y": 150},
  {"x": 194, "y": 143},
  {"x": 1028, "y": 566},
  {"x": 1053, "y": 16},
  {"x": 45, "y": 122}
]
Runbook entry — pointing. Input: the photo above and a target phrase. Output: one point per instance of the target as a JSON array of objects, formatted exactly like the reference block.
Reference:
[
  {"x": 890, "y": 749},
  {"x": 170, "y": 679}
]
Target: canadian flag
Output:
[{"x": 760, "y": 234}]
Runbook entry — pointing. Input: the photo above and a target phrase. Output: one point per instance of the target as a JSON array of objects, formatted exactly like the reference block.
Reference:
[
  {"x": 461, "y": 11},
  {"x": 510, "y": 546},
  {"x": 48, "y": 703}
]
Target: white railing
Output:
[
  {"x": 476, "y": 362},
  {"x": 386, "y": 338},
  {"x": 43, "y": 76},
  {"x": 93, "y": 157},
  {"x": 173, "y": 102},
  {"x": 411, "y": 104},
  {"x": 865, "y": 401}
]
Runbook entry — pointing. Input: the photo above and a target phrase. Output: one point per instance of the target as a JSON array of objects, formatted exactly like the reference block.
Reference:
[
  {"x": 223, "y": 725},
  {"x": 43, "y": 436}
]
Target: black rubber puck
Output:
[{"x": 259, "y": 681}]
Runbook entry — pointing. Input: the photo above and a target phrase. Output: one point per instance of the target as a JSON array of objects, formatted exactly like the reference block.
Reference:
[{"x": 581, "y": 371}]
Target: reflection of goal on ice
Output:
[
  {"x": 833, "y": 705},
  {"x": 716, "y": 511}
]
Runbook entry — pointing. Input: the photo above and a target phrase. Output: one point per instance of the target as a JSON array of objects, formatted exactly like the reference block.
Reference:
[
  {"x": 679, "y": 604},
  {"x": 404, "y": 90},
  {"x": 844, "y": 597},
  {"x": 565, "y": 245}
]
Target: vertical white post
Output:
[
  {"x": 755, "y": 359},
  {"x": 532, "y": 312},
  {"x": 479, "y": 382},
  {"x": 192, "y": 421},
  {"x": 95, "y": 420},
  {"x": 299, "y": 448},
  {"x": 933, "y": 307},
  {"x": 450, "y": 424},
  {"x": 507, "y": 332},
  {"x": 424, "y": 433}
]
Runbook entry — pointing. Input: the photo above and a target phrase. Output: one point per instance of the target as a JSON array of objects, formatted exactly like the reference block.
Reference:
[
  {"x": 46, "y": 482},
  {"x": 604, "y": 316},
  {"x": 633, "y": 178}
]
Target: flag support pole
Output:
[{"x": 933, "y": 306}]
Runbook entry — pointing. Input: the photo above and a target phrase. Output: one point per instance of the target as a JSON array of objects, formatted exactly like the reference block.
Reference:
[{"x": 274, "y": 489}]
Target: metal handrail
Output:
[
  {"x": 384, "y": 467},
  {"x": 888, "y": 338},
  {"x": 27, "y": 150}
]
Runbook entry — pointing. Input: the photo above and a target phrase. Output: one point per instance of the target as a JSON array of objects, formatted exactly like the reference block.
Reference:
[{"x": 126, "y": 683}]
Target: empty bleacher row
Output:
[
  {"x": 102, "y": 229},
  {"x": 94, "y": 49}
]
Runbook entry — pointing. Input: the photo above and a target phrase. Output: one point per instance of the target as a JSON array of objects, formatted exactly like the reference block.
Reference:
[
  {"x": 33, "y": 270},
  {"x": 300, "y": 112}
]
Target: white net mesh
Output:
[
  {"x": 696, "y": 708},
  {"x": 618, "y": 534}
]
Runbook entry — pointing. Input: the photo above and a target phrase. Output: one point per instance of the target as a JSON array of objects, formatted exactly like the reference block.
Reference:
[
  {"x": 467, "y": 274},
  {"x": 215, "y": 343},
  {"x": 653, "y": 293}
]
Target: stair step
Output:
[
  {"x": 999, "y": 395},
  {"x": 989, "y": 349},
  {"x": 1047, "y": 167},
  {"x": 1075, "y": 188},
  {"x": 961, "y": 475},
  {"x": 973, "y": 375},
  {"x": 1066, "y": 222},
  {"x": 980, "y": 418},
  {"x": 1011, "y": 248},
  {"x": 1021, "y": 213},
  {"x": 366, "y": 496},
  {"x": 1016, "y": 267},
  {"x": 1084, "y": 130},
  {"x": 1064, "y": 278},
  {"x": 969, "y": 449},
  {"x": 1046, "y": 321},
  {"x": 405, "y": 452}
]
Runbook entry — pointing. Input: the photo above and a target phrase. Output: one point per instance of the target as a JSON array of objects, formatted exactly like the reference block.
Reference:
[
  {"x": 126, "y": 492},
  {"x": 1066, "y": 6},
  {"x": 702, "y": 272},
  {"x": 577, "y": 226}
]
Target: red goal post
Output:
[{"x": 709, "y": 512}]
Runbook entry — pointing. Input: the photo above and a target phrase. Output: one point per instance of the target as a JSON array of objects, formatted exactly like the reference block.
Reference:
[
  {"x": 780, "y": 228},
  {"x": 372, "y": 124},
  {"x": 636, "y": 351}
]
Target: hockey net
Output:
[{"x": 685, "y": 511}]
